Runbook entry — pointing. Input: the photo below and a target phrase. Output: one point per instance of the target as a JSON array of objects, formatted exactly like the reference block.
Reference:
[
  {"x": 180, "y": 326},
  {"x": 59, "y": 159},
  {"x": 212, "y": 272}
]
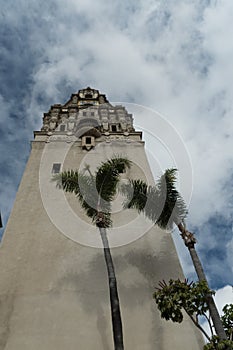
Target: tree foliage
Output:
[
  {"x": 162, "y": 203},
  {"x": 217, "y": 344},
  {"x": 178, "y": 296},
  {"x": 95, "y": 191},
  {"x": 227, "y": 320}
]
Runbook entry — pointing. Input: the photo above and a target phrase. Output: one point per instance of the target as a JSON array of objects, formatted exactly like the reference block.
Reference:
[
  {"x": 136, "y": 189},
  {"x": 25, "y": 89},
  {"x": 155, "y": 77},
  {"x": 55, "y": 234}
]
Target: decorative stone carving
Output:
[
  {"x": 52, "y": 125},
  {"x": 105, "y": 126},
  {"x": 121, "y": 138},
  {"x": 71, "y": 125},
  {"x": 45, "y": 127},
  {"x": 63, "y": 138},
  {"x": 78, "y": 108},
  {"x": 123, "y": 126},
  {"x": 75, "y": 99}
]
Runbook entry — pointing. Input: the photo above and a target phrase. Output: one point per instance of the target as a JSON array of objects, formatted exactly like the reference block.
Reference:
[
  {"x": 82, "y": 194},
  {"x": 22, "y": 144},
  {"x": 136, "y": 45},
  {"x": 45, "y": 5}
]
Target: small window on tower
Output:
[
  {"x": 62, "y": 128},
  {"x": 56, "y": 168},
  {"x": 92, "y": 114},
  {"x": 88, "y": 140},
  {"x": 114, "y": 128},
  {"x": 84, "y": 114}
]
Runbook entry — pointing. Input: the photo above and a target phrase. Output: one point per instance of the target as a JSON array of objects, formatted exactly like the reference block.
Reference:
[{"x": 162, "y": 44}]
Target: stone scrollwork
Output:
[
  {"x": 63, "y": 138},
  {"x": 121, "y": 138}
]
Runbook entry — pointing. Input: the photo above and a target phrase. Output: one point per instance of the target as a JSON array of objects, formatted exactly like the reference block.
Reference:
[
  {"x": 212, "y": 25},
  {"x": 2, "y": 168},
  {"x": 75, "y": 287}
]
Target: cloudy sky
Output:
[{"x": 174, "y": 57}]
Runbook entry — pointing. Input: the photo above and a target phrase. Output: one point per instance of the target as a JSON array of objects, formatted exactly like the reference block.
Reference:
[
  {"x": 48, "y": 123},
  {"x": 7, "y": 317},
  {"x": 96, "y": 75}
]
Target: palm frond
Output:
[
  {"x": 174, "y": 209},
  {"x": 161, "y": 203},
  {"x": 95, "y": 192},
  {"x": 107, "y": 176},
  {"x": 143, "y": 198},
  {"x": 67, "y": 180},
  {"x": 82, "y": 186},
  {"x": 135, "y": 192}
]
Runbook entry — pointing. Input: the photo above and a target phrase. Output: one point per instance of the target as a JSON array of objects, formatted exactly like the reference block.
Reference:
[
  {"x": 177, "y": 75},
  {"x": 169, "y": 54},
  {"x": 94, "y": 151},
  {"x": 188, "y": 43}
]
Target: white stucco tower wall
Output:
[{"x": 53, "y": 281}]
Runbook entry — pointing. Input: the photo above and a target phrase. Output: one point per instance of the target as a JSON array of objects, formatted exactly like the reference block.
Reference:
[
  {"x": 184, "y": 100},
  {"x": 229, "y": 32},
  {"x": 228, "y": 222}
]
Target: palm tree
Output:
[
  {"x": 164, "y": 205},
  {"x": 95, "y": 193}
]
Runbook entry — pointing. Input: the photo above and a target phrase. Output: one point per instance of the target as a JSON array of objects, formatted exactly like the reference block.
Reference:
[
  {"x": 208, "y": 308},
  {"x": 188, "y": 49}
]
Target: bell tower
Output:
[{"x": 53, "y": 280}]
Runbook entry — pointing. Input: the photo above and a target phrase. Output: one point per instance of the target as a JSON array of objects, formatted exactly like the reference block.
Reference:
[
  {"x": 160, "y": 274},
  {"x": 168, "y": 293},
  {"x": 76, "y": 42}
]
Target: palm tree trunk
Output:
[
  {"x": 190, "y": 241},
  {"x": 114, "y": 299}
]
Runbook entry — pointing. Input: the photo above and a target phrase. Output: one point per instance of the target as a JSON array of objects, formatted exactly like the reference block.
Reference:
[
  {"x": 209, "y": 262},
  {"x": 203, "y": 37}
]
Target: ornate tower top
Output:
[
  {"x": 87, "y": 111},
  {"x": 85, "y": 98}
]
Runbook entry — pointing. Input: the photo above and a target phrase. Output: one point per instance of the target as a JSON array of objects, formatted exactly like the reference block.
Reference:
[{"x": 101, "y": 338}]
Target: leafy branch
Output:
[{"x": 176, "y": 296}]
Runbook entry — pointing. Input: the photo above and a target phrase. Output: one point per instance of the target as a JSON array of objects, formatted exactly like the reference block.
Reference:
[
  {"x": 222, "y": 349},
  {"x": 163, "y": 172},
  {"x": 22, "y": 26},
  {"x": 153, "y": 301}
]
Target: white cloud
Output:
[{"x": 224, "y": 296}]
